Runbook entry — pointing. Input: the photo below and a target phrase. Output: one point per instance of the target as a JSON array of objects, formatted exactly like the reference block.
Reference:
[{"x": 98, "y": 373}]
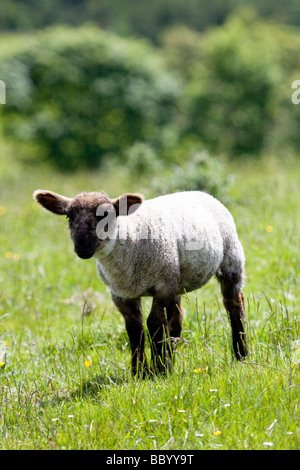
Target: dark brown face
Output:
[
  {"x": 83, "y": 221},
  {"x": 92, "y": 216}
]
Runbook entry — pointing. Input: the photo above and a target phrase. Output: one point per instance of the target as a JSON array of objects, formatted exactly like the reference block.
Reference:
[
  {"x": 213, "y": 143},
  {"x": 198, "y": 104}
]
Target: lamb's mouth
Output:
[{"x": 85, "y": 254}]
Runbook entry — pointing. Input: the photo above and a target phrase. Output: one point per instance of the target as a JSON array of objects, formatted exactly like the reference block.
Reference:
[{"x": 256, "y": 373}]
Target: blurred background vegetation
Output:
[
  {"x": 147, "y": 96},
  {"x": 164, "y": 87}
]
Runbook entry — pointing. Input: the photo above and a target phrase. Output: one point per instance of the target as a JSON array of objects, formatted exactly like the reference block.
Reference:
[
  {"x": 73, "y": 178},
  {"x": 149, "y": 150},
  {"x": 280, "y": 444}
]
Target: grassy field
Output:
[{"x": 65, "y": 378}]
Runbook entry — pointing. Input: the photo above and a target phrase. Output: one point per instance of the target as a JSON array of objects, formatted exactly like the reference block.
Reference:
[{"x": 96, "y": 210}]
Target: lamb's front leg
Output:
[
  {"x": 164, "y": 326},
  {"x": 131, "y": 311}
]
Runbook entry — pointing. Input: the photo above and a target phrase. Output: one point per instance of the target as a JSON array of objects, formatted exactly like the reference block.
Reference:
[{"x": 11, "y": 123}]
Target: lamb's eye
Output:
[{"x": 70, "y": 216}]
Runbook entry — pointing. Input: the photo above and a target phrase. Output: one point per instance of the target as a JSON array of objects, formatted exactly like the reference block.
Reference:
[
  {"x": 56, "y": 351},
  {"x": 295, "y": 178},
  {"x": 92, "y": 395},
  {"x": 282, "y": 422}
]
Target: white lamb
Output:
[{"x": 161, "y": 247}]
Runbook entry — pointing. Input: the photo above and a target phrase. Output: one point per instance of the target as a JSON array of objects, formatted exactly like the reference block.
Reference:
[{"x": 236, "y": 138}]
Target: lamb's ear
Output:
[
  {"x": 51, "y": 201},
  {"x": 127, "y": 203}
]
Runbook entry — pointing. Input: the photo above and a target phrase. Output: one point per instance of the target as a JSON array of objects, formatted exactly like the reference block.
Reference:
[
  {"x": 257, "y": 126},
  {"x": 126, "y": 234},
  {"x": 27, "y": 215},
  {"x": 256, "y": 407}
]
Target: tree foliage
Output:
[
  {"x": 137, "y": 17},
  {"x": 240, "y": 89},
  {"x": 82, "y": 93}
]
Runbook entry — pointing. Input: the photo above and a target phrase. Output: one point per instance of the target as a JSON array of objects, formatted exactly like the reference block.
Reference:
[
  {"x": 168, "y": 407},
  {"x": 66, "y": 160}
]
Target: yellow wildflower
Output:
[
  {"x": 269, "y": 228},
  {"x": 197, "y": 371},
  {"x": 2, "y": 210},
  {"x": 87, "y": 363},
  {"x": 217, "y": 433},
  {"x": 14, "y": 256},
  {"x": 2, "y": 364}
]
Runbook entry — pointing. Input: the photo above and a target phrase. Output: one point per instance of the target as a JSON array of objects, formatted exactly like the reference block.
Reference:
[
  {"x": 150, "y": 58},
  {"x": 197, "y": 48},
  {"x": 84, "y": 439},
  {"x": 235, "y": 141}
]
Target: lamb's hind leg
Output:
[
  {"x": 233, "y": 299},
  {"x": 164, "y": 326}
]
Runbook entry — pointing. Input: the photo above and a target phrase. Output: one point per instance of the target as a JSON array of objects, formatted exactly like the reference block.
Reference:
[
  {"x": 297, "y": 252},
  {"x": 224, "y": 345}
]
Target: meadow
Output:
[{"x": 65, "y": 379}]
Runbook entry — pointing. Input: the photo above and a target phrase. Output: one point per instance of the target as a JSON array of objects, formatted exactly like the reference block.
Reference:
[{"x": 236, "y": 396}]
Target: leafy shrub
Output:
[
  {"x": 199, "y": 172},
  {"x": 82, "y": 93},
  {"x": 229, "y": 95},
  {"x": 141, "y": 159},
  {"x": 181, "y": 48},
  {"x": 283, "y": 134},
  {"x": 238, "y": 85}
]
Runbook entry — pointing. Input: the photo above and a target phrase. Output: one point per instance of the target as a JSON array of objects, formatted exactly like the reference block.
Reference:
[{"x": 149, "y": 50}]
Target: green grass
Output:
[{"x": 65, "y": 381}]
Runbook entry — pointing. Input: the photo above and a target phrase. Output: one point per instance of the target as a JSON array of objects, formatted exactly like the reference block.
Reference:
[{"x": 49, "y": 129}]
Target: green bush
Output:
[
  {"x": 141, "y": 159},
  {"x": 284, "y": 135},
  {"x": 80, "y": 94},
  {"x": 198, "y": 171},
  {"x": 228, "y": 98},
  {"x": 181, "y": 48}
]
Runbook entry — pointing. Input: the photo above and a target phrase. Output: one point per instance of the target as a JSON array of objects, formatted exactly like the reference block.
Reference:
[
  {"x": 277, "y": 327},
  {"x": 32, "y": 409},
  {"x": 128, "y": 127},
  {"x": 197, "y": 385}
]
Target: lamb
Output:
[{"x": 163, "y": 248}]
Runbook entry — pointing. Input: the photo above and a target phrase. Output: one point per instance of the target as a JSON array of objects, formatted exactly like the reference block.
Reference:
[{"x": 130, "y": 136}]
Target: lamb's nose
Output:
[
  {"x": 84, "y": 254},
  {"x": 84, "y": 249}
]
